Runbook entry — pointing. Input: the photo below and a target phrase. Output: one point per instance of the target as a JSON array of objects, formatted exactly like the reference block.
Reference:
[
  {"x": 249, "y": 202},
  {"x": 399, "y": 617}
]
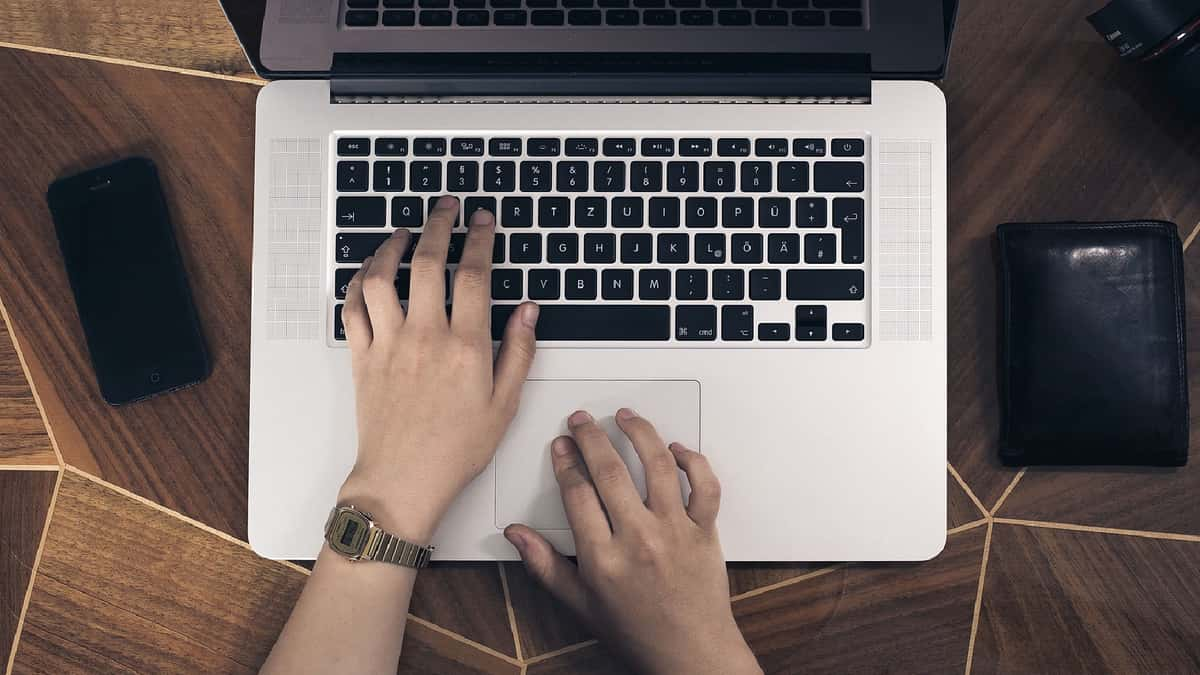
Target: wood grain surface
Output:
[
  {"x": 24, "y": 501},
  {"x": 1073, "y": 602},
  {"x": 23, "y": 438}
]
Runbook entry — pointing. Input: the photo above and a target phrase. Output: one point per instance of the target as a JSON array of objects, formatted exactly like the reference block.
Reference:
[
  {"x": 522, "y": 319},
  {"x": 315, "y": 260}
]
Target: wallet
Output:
[{"x": 1092, "y": 344}]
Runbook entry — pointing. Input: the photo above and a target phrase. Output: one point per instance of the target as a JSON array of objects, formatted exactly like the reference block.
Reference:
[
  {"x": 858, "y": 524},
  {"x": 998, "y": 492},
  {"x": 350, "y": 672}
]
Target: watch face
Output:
[{"x": 348, "y": 533}]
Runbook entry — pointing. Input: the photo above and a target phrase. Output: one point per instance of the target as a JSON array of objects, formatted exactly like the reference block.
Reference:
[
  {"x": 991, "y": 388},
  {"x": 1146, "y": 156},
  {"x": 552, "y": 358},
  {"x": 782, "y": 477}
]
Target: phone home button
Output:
[{"x": 155, "y": 377}]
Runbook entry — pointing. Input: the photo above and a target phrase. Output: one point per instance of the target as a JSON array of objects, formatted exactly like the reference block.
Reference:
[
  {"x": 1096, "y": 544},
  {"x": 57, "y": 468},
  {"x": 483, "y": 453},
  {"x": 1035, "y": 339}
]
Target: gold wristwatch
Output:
[{"x": 354, "y": 534}]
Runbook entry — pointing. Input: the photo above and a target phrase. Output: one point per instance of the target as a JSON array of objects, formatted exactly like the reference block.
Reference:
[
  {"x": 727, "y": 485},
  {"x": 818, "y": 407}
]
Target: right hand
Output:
[{"x": 651, "y": 579}]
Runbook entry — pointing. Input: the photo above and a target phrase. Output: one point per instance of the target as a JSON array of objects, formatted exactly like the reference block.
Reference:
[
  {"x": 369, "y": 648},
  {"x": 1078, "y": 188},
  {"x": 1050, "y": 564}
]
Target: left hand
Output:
[{"x": 431, "y": 406}]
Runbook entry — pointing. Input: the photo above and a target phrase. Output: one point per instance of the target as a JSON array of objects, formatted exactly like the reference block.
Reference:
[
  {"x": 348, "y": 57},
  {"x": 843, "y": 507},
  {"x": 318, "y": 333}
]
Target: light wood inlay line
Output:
[
  {"x": 967, "y": 488},
  {"x": 37, "y": 559},
  {"x": 560, "y": 651},
  {"x": 1191, "y": 237},
  {"x": 788, "y": 582},
  {"x": 987, "y": 548},
  {"x": 16, "y": 343},
  {"x": 512, "y": 614},
  {"x": 1144, "y": 534},
  {"x": 1007, "y": 491},
  {"x": 30, "y": 467},
  {"x": 132, "y": 64},
  {"x": 968, "y": 526},
  {"x": 465, "y": 640}
]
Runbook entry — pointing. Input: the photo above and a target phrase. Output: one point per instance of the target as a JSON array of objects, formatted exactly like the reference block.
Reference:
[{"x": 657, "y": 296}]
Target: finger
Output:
[
  {"x": 355, "y": 319},
  {"x": 515, "y": 358},
  {"x": 609, "y": 474},
  {"x": 427, "y": 289},
  {"x": 379, "y": 285},
  {"x": 580, "y": 501},
  {"x": 705, "y": 500},
  {"x": 554, "y": 572},
  {"x": 472, "y": 279},
  {"x": 662, "y": 474}
]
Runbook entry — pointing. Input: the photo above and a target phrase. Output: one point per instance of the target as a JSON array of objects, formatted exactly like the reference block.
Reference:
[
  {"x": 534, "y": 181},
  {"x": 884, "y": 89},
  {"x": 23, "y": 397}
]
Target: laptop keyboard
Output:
[
  {"x": 584, "y": 13},
  {"x": 666, "y": 239}
]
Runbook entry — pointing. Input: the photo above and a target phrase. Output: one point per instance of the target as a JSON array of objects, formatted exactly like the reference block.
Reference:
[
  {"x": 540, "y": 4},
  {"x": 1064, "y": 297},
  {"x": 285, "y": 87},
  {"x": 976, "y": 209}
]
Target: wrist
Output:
[{"x": 406, "y": 516}]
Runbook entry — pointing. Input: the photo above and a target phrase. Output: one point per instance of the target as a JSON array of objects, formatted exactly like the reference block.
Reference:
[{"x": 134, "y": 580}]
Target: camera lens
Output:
[{"x": 1161, "y": 35}]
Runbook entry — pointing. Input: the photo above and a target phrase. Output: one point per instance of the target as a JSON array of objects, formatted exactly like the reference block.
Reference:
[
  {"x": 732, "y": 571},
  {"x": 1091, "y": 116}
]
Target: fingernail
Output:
[
  {"x": 515, "y": 539},
  {"x": 578, "y": 417},
  {"x": 626, "y": 413},
  {"x": 529, "y": 315},
  {"x": 399, "y": 233},
  {"x": 447, "y": 202},
  {"x": 560, "y": 447},
  {"x": 675, "y": 447},
  {"x": 482, "y": 217}
]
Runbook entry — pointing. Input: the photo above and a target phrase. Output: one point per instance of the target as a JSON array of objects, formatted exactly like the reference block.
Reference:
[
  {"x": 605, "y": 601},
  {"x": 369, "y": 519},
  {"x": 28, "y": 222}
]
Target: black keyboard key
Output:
[
  {"x": 635, "y": 248},
  {"x": 466, "y": 147},
  {"x": 695, "y": 323},
  {"x": 433, "y": 4},
  {"x": 838, "y": 176},
  {"x": 547, "y": 17},
  {"x": 683, "y": 176},
  {"x": 848, "y": 147},
  {"x": 819, "y": 249},
  {"x": 341, "y": 281},
  {"x": 591, "y": 212},
  {"x": 691, "y": 284},
  {"x": 664, "y": 212},
  {"x": 733, "y": 17},
  {"x": 783, "y": 249},
  {"x": 733, "y": 147},
  {"x": 672, "y": 249},
  {"x": 584, "y": 17},
  {"x": 544, "y": 284},
  {"x": 771, "y": 147},
  {"x": 774, "y": 332},
  {"x": 700, "y": 212},
  {"x": 352, "y": 176},
  {"x": 412, "y": 247},
  {"x": 473, "y": 204},
  {"x": 435, "y": 17},
  {"x": 554, "y": 212},
  {"x": 737, "y": 212},
  {"x": 504, "y": 147},
  {"x": 808, "y": 147},
  {"x": 516, "y": 4},
  {"x": 793, "y": 177},
  {"x": 849, "y": 332},
  {"x": 619, "y": 147},
  {"x": 810, "y": 315},
  {"x": 455, "y": 250},
  {"x": 696, "y": 17},
  {"x": 525, "y": 248},
  {"x": 837, "y": 4},
  {"x": 756, "y": 176},
  {"x": 516, "y": 212},
  {"x": 354, "y": 248},
  {"x": 771, "y": 17},
  {"x": 391, "y": 147},
  {"x": 361, "y": 17},
  {"x": 593, "y": 322},
  {"x": 572, "y": 176},
  {"x": 765, "y": 284},
  {"x": 710, "y": 249},
  {"x": 506, "y": 285},
  {"x": 426, "y": 177},
  {"x": 580, "y": 284},
  {"x": 737, "y": 323},
  {"x": 543, "y": 147},
  {"x": 582, "y": 147},
  {"x": 645, "y": 176},
  {"x": 600, "y": 248},
  {"x": 658, "y": 147},
  {"x": 808, "y": 17},
  {"x": 362, "y": 4},
  {"x": 719, "y": 177},
  {"x": 845, "y": 18},
  {"x": 774, "y": 212},
  {"x": 616, "y": 284},
  {"x": 746, "y": 249},
  {"x": 472, "y": 17},
  {"x": 499, "y": 176},
  {"x": 353, "y": 147},
  {"x": 403, "y": 17},
  {"x": 811, "y": 212},
  {"x": 429, "y": 147},
  {"x": 406, "y": 212},
  {"x": 461, "y": 176},
  {"x": 562, "y": 248},
  {"x": 810, "y": 332},
  {"x": 654, "y": 284},
  {"x": 848, "y": 216},
  {"x": 389, "y": 176},
  {"x": 729, "y": 284},
  {"x": 627, "y": 212},
  {"x": 467, "y": 4},
  {"x": 659, "y": 17},
  {"x": 609, "y": 177},
  {"x": 535, "y": 177},
  {"x": 339, "y": 329},
  {"x": 621, "y": 17},
  {"x": 577, "y": 4},
  {"x": 361, "y": 212},
  {"x": 836, "y": 284},
  {"x": 695, "y": 147}
]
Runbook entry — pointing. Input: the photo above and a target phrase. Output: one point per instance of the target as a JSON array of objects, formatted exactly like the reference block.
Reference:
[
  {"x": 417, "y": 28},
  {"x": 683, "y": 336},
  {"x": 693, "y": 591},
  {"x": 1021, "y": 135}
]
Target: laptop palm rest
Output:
[{"x": 526, "y": 490}]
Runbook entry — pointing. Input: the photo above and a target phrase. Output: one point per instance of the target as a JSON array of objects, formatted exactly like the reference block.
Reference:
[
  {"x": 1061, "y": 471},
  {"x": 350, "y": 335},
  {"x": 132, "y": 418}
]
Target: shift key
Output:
[
  {"x": 354, "y": 248},
  {"x": 825, "y": 284}
]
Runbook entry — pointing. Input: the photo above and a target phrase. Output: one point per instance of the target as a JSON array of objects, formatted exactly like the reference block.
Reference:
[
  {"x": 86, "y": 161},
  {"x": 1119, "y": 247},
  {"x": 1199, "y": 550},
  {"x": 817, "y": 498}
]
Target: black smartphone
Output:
[{"x": 133, "y": 298}]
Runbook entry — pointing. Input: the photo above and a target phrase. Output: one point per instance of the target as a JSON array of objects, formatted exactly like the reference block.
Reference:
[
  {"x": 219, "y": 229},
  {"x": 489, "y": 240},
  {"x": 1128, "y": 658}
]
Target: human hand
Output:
[
  {"x": 430, "y": 407},
  {"x": 651, "y": 579}
]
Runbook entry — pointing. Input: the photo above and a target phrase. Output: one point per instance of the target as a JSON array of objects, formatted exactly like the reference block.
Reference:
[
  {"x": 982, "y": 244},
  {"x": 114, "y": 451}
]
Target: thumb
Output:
[{"x": 557, "y": 574}]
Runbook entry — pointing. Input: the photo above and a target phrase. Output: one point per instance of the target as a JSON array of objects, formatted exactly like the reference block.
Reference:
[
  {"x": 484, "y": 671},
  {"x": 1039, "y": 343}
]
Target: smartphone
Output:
[{"x": 130, "y": 289}]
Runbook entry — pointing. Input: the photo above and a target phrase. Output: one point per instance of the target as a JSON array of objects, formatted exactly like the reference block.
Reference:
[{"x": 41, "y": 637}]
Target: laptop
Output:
[{"x": 731, "y": 212}]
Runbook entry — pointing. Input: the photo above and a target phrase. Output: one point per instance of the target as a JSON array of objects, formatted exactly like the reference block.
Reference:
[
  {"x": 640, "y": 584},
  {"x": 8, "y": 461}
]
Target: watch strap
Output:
[{"x": 385, "y": 547}]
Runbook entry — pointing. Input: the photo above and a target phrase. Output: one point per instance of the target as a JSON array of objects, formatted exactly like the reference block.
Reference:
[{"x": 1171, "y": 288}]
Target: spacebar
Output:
[{"x": 593, "y": 322}]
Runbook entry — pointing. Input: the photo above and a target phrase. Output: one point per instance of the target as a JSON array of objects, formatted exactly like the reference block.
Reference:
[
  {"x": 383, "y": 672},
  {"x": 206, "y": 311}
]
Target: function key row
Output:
[{"x": 609, "y": 147}]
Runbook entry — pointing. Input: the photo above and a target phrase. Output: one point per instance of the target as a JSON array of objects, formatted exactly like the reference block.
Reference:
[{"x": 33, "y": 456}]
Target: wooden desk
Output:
[{"x": 1065, "y": 571}]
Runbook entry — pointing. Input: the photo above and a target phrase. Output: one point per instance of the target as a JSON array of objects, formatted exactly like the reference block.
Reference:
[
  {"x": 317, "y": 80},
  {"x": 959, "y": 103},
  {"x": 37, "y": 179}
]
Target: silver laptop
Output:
[{"x": 732, "y": 213}]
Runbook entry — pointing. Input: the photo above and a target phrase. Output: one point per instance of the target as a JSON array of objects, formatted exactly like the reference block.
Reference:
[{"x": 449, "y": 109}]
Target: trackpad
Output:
[{"x": 526, "y": 491}]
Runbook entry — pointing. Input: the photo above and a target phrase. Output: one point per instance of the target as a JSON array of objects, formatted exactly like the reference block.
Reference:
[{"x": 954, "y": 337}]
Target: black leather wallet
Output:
[{"x": 1092, "y": 344}]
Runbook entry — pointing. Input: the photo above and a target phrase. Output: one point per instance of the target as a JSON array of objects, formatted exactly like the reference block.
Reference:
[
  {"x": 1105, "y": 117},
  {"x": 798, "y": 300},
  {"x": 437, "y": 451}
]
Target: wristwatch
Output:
[{"x": 354, "y": 534}]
